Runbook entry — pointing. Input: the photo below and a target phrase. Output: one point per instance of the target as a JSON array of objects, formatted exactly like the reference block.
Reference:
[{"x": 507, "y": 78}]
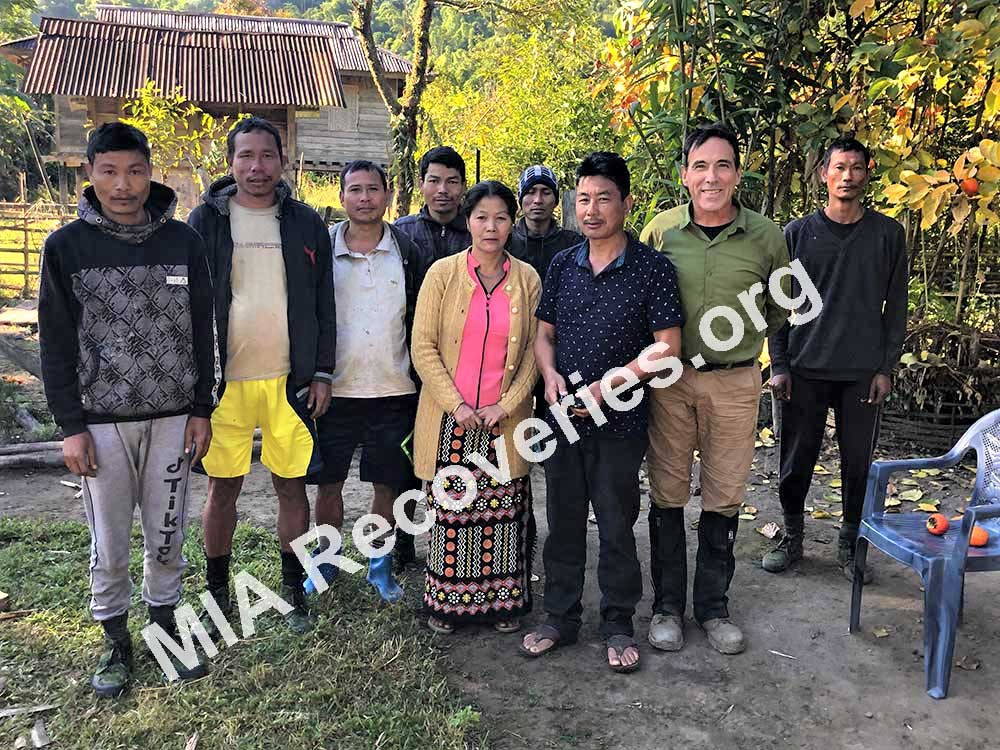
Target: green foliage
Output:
[
  {"x": 180, "y": 133},
  {"x": 521, "y": 99}
]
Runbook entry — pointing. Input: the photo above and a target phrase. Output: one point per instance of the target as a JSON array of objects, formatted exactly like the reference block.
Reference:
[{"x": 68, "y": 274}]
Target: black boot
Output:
[
  {"x": 715, "y": 568},
  {"x": 164, "y": 617},
  {"x": 403, "y": 553},
  {"x": 846, "y": 543},
  {"x": 114, "y": 670},
  {"x": 668, "y": 560}
]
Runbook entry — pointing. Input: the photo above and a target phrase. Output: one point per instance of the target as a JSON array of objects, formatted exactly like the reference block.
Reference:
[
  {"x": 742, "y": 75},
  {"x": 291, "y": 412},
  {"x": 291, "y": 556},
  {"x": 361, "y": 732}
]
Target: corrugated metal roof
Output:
[
  {"x": 350, "y": 55},
  {"x": 92, "y": 58}
]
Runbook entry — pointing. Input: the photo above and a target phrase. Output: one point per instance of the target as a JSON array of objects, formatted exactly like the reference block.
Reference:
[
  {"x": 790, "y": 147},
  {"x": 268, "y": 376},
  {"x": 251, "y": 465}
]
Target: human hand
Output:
[
  {"x": 781, "y": 386},
  {"x": 492, "y": 415},
  {"x": 198, "y": 433},
  {"x": 319, "y": 398},
  {"x": 595, "y": 391},
  {"x": 80, "y": 455},
  {"x": 466, "y": 416},
  {"x": 555, "y": 387},
  {"x": 880, "y": 387}
]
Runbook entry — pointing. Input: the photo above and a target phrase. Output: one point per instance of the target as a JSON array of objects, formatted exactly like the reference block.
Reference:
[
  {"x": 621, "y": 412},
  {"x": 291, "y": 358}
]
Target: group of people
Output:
[{"x": 426, "y": 341}]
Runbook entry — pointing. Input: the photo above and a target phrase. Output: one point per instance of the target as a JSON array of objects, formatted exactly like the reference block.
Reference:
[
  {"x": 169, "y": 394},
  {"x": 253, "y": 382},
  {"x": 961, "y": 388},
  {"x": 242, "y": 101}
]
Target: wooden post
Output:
[
  {"x": 63, "y": 187},
  {"x": 568, "y": 204},
  {"x": 26, "y": 289},
  {"x": 22, "y": 186}
]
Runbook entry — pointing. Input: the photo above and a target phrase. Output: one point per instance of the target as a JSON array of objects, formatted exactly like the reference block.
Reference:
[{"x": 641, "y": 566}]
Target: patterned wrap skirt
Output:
[{"x": 478, "y": 557}]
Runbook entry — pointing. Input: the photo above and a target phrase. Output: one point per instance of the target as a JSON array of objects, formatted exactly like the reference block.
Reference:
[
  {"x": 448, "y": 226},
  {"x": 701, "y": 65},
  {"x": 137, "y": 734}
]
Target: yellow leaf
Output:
[
  {"x": 859, "y": 6},
  {"x": 986, "y": 217},
  {"x": 961, "y": 171},
  {"x": 896, "y": 193},
  {"x": 990, "y": 149},
  {"x": 821, "y": 514},
  {"x": 959, "y": 213},
  {"x": 881, "y": 632},
  {"x": 970, "y": 28},
  {"x": 892, "y": 502},
  {"x": 911, "y": 495},
  {"x": 988, "y": 173},
  {"x": 927, "y": 507},
  {"x": 841, "y": 103},
  {"x": 820, "y": 469},
  {"x": 975, "y": 155},
  {"x": 835, "y": 483}
]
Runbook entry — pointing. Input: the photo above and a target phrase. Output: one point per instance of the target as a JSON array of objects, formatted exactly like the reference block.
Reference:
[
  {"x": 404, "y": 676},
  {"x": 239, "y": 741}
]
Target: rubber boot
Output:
[
  {"x": 716, "y": 565},
  {"x": 114, "y": 669},
  {"x": 225, "y": 603},
  {"x": 327, "y": 570},
  {"x": 404, "y": 552},
  {"x": 668, "y": 567},
  {"x": 380, "y": 576},
  {"x": 164, "y": 617},
  {"x": 298, "y": 619},
  {"x": 789, "y": 549},
  {"x": 845, "y": 552}
]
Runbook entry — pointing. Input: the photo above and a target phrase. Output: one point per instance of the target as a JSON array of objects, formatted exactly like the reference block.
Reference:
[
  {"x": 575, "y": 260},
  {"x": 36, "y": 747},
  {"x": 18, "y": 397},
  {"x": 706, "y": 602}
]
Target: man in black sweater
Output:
[
  {"x": 125, "y": 328},
  {"x": 841, "y": 355}
]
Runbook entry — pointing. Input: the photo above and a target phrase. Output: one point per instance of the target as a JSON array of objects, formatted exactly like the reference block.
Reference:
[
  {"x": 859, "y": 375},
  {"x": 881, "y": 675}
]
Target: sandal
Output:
[
  {"x": 440, "y": 626},
  {"x": 619, "y": 643},
  {"x": 507, "y": 626},
  {"x": 546, "y": 633}
]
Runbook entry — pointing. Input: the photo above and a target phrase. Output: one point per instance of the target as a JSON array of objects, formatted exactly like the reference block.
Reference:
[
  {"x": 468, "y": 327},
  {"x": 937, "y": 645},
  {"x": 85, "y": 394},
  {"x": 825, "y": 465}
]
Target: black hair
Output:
[
  {"x": 363, "y": 165},
  {"x": 248, "y": 125},
  {"x": 847, "y": 144},
  {"x": 444, "y": 155},
  {"x": 488, "y": 189},
  {"x": 116, "y": 136},
  {"x": 711, "y": 130},
  {"x": 606, "y": 164}
]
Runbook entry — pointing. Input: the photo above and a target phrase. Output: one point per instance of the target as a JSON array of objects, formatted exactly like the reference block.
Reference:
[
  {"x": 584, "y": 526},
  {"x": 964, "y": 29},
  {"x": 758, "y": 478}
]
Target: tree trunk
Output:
[{"x": 404, "y": 166}]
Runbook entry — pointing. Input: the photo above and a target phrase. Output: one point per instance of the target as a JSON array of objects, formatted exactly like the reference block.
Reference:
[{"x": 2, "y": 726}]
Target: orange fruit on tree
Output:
[
  {"x": 980, "y": 536},
  {"x": 937, "y": 524},
  {"x": 970, "y": 186}
]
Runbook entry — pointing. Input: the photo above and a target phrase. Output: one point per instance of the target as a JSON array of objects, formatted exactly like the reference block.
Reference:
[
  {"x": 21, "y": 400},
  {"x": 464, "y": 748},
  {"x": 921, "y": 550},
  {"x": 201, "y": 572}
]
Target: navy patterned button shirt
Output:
[{"x": 603, "y": 322}]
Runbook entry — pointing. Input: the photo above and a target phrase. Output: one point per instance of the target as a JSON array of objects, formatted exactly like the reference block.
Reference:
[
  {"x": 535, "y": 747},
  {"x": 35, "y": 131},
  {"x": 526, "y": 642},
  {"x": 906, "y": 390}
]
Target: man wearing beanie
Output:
[{"x": 537, "y": 237}]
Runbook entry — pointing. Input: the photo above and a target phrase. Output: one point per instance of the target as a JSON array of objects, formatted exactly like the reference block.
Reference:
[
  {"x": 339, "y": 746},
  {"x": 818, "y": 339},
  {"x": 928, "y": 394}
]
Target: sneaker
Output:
[
  {"x": 298, "y": 619},
  {"x": 787, "y": 553},
  {"x": 114, "y": 669},
  {"x": 327, "y": 570},
  {"x": 164, "y": 617},
  {"x": 725, "y": 637}
]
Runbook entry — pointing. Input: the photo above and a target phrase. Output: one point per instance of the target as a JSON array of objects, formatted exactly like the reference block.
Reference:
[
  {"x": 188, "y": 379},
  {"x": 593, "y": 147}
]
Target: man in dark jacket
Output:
[
  {"x": 844, "y": 354},
  {"x": 537, "y": 237},
  {"x": 377, "y": 272},
  {"x": 125, "y": 328},
  {"x": 274, "y": 310},
  {"x": 438, "y": 227}
]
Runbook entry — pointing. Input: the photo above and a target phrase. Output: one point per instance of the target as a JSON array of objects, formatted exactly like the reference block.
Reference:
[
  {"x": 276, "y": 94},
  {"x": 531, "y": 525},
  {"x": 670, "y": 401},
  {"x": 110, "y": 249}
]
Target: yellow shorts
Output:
[{"x": 287, "y": 432}]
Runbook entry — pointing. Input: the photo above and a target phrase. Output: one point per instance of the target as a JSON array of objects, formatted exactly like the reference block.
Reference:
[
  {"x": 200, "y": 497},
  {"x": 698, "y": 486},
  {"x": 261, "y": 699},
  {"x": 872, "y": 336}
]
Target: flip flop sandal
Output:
[
  {"x": 440, "y": 626},
  {"x": 619, "y": 643},
  {"x": 507, "y": 626},
  {"x": 546, "y": 632}
]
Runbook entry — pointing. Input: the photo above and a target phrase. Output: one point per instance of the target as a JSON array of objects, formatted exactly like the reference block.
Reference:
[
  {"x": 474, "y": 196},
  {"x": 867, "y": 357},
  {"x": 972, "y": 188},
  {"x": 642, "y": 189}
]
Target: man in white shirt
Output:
[{"x": 377, "y": 272}]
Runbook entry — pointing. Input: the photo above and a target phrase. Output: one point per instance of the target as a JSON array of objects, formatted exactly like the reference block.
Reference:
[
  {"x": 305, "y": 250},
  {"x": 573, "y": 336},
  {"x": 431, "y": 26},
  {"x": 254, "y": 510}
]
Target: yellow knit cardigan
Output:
[{"x": 437, "y": 337}]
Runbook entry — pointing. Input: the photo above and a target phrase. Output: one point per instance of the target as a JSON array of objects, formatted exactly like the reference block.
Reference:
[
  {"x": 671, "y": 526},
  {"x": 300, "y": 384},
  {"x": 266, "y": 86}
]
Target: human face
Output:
[
  {"x": 539, "y": 203},
  {"x": 442, "y": 188},
  {"x": 846, "y": 176},
  {"x": 256, "y": 165},
  {"x": 121, "y": 183},
  {"x": 711, "y": 178},
  {"x": 364, "y": 198},
  {"x": 489, "y": 224},
  {"x": 600, "y": 207}
]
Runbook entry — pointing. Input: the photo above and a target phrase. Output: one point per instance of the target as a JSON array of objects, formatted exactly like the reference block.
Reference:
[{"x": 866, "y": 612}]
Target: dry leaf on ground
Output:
[
  {"x": 769, "y": 530},
  {"x": 881, "y": 632}
]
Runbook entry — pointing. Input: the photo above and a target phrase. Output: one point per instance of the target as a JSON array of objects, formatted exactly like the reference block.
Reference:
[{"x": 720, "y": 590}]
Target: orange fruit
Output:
[
  {"x": 980, "y": 536},
  {"x": 937, "y": 524},
  {"x": 970, "y": 186}
]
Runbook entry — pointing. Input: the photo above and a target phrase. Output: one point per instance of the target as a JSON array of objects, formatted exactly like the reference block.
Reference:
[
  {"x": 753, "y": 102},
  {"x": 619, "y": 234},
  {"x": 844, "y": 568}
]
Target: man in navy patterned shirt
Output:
[{"x": 603, "y": 304}]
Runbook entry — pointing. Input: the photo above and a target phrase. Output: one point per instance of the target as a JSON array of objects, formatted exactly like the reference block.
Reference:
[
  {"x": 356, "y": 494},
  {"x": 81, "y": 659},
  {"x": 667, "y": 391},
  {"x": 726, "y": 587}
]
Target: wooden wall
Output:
[{"x": 334, "y": 136}]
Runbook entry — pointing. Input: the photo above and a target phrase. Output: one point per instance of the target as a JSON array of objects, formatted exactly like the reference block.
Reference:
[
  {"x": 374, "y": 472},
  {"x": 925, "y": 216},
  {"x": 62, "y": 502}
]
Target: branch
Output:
[
  {"x": 363, "y": 26},
  {"x": 416, "y": 80}
]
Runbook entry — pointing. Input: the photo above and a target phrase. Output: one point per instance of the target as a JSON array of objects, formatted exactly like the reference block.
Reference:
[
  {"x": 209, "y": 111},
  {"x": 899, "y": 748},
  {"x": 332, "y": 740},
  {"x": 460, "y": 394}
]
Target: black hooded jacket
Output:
[
  {"x": 125, "y": 318},
  {"x": 305, "y": 246},
  {"x": 540, "y": 250}
]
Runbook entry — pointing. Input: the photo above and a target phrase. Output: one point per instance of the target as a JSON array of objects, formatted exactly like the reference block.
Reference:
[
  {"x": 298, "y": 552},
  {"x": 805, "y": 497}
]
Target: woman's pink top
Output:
[{"x": 483, "y": 354}]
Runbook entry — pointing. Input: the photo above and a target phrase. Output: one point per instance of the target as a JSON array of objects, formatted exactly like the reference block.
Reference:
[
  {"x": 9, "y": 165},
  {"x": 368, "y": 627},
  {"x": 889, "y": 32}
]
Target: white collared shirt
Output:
[{"x": 370, "y": 289}]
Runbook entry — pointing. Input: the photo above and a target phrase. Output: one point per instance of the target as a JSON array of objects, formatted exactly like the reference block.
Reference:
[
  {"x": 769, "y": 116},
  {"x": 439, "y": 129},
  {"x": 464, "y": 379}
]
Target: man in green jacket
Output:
[{"x": 725, "y": 255}]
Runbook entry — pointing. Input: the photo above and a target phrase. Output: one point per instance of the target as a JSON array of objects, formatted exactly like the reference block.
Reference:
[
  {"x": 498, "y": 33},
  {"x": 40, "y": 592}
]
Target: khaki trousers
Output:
[{"x": 714, "y": 412}]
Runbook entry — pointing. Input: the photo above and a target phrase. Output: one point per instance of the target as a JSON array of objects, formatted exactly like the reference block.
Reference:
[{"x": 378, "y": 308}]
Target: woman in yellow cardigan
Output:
[{"x": 472, "y": 347}]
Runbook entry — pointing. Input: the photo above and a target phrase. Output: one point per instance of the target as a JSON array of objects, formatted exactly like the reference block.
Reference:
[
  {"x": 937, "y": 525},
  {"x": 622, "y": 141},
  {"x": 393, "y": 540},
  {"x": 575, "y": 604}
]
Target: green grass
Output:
[{"x": 366, "y": 677}]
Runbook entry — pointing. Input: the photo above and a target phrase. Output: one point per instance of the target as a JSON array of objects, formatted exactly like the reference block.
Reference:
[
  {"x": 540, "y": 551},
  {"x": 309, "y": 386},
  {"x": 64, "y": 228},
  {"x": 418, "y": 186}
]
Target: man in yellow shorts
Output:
[{"x": 274, "y": 307}]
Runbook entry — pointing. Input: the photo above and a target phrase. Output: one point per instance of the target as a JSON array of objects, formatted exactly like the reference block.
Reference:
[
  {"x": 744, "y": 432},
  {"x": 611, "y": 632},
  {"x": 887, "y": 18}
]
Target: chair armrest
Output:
[
  {"x": 878, "y": 476},
  {"x": 969, "y": 519}
]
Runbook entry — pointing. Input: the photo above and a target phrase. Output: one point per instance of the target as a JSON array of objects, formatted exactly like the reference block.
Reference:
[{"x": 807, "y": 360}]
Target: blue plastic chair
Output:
[{"x": 941, "y": 561}]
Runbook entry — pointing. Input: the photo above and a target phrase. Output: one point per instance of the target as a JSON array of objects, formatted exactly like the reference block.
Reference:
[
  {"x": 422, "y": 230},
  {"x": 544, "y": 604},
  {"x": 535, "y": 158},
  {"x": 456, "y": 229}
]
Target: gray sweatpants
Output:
[{"x": 138, "y": 463}]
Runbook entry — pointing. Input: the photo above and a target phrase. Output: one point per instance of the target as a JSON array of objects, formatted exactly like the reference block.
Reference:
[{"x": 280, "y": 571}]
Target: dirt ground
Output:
[{"x": 802, "y": 683}]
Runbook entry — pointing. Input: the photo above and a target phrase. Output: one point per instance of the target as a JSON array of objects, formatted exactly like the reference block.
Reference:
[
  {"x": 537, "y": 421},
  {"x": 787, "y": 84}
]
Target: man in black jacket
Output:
[
  {"x": 377, "y": 271},
  {"x": 537, "y": 237},
  {"x": 841, "y": 355},
  {"x": 125, "y": 328},
  {"x": 274, "y": 311},
  {"x": 439, "y": 227}
]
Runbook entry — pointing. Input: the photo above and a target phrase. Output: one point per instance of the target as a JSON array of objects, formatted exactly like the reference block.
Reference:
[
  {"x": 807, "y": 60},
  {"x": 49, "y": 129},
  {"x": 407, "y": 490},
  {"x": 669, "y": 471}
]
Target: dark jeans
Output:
[
  {"x": 803, "y": 421},
  {"x": 602, "y": 471}
]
